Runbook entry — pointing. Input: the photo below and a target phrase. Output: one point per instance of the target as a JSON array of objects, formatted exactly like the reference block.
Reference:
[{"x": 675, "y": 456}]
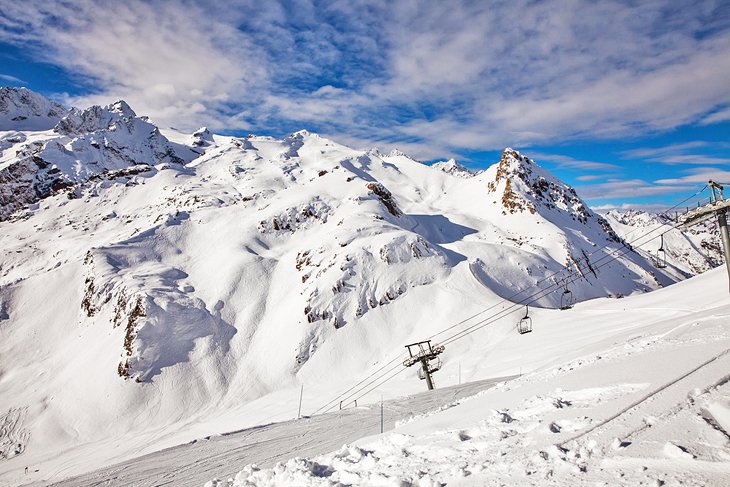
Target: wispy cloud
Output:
[
  {"x": 699, "y": 175},
  {"x": 617, "y": 189},
  {"x": 442, "y": 76},
  {"x": 11, "y": 79},
  {"x": 590, "y": 177},
  {"x": 721, "y": 115},
  {"x": 687, "y": 153},
  {"x": 571, "y": 163},
  {"x": 651, "y": 152}
]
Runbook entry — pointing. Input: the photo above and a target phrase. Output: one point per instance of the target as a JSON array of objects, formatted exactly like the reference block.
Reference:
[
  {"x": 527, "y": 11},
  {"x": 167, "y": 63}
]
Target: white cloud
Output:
[
  {"x": 572, "y": 163},
  {"x": 717, "y": 117},
  {"x": 11, "y": 79},
  {"x": 446, "y": 76},
  {"x": 617, "y": 189},
  {"x": 170, "y": 61},
  {"x": 652, "y": 152},
  {"x": 699, "y": 175}
]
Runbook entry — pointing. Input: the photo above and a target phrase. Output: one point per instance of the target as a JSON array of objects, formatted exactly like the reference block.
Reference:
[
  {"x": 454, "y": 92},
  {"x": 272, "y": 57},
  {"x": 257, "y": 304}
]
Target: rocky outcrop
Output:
[
  {"x": 23, "y": 109},
  {"x": 89, "y": 143}
]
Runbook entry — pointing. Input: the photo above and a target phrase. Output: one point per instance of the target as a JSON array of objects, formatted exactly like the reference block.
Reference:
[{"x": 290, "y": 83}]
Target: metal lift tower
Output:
[
  {"x": 719, "y": 208},
  {"x": 427, "y": 355}
]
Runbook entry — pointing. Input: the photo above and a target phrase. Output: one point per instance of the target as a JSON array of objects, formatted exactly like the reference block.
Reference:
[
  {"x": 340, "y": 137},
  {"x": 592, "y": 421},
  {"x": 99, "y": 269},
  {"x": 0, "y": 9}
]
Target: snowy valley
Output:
[{"x": 157, "y": 288}]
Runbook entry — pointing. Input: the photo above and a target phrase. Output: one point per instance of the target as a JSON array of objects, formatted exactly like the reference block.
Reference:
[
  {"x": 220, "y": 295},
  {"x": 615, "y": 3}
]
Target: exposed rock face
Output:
[
  {"x": 89, "y": 142},
  {"x": 202, "y": 138},
  {"x": 22, "y": 109},
  {"x": 79, "y": 122},
  {"x": 385, "y": 197},
  {"x": 525, "y": 187}
]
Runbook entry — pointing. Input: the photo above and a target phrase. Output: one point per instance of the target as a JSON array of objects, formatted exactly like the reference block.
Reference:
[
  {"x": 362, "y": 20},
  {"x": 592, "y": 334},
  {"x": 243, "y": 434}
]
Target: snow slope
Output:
[
  {"x": 160, "y": 291},
  {"x": 693, "y": 250},
  {"x": 643, "y": 401}
]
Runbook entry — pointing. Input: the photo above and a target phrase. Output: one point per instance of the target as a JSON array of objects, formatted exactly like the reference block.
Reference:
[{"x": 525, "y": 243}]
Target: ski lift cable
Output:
[
  {"x": 488, "y": 321},
  {"x": 563, "y": 269},
  {"x": 668, "y": 210},
  {"x": 371, "y": 378},
  {"x": 500, "y": 314},
  {"x": 354, "y": 389},
  {"x": 534, "y": 297},
  {"x": 483, "y": 323}
]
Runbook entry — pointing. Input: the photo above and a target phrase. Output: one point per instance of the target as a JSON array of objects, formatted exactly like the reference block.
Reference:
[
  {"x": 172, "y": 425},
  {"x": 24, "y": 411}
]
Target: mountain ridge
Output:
[{"x": 242, "y": 267}]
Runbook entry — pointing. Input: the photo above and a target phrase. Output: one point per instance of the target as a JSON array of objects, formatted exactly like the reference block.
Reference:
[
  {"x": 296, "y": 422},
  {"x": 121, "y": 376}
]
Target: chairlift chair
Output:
[
  {"x": 525, "y": 324},
  {"x": 433, "y": 366},
  {"x": 566, "y": 299},
  {"x": 661, "y": 255}
]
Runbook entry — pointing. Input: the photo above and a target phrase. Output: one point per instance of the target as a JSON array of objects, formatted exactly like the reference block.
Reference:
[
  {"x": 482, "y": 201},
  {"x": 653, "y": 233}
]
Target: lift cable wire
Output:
[
  {"x": 377, "y": 375},
  {"x": 383, "y": 378},
  {"x": 575, "y": 278}
]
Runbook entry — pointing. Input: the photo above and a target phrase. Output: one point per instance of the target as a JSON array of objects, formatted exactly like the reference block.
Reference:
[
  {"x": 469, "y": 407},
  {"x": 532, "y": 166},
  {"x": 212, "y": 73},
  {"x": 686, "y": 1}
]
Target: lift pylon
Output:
[
  {"x": 717, "y": 208},
  {"x": 427, "y": 355}
]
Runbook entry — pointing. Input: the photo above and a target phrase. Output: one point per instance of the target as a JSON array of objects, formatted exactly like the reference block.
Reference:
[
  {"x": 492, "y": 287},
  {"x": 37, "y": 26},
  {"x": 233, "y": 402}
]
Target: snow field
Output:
[
  {"x": 636, "y": 412},
  {"x": 151, "y": 305}
]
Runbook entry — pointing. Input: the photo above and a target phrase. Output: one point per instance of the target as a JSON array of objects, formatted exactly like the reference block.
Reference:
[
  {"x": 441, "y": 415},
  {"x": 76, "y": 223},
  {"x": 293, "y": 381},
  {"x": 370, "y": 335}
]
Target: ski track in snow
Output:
[
  {"x": 665, "y": 430},
  {"x": 194, "y": 463}
]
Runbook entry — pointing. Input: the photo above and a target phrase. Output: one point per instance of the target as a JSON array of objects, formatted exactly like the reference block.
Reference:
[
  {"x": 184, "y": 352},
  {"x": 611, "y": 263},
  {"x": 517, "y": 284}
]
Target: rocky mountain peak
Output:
[
  {"x": 454, "y": 168},
  {"x": 23, "y": 109},
  {"x": 524, "y": 186},
  {"x": 95, "y": 118},
  {"x": 122, "y": 108},
  {"x": 202, "y": 138}
]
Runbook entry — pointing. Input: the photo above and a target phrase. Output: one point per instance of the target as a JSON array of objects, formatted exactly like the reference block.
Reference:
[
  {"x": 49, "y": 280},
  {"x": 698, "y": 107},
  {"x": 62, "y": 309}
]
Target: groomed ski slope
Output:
[{"x": 629, "y": 392}]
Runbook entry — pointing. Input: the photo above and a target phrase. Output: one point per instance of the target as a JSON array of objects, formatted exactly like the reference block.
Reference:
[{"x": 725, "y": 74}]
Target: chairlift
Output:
[
  {"x": 566, "y": 299},
  {"x": 525, "y": 324},
  {"x": 433, "y": 366},
  {"x": 661, "y": 256}
]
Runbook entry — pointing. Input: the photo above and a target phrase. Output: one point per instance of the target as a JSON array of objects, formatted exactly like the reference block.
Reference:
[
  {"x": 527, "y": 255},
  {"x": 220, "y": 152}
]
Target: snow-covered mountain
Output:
[
  {"x": 91, "y": 143},
  {"x": 22, "y": 109},
  {"x": 455, "y": 169},
  {"x": 693, "y": 250},
  {"x": 148, "y": 286}
]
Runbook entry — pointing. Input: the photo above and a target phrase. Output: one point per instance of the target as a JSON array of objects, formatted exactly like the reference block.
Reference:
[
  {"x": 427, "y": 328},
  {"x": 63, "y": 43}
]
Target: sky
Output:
[{"x": 627, "y": 101}]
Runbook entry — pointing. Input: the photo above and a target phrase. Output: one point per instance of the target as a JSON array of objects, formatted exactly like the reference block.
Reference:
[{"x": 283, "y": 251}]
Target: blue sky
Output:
[{"x": 627, "y": 101}]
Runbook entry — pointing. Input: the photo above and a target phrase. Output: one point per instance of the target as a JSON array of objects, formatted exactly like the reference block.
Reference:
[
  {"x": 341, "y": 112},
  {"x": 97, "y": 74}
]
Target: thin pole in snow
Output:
[
  {"x": 301, "y": 393},
  {"x": 459, "y": 373},
  {"x": 381, "y": 413}
]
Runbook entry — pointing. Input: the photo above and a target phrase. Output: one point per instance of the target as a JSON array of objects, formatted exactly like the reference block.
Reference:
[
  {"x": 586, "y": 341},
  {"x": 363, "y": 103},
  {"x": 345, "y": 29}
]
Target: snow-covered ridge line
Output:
[
  {"x": 22, "y": 109},
  {"x": 137, "y": 260}
]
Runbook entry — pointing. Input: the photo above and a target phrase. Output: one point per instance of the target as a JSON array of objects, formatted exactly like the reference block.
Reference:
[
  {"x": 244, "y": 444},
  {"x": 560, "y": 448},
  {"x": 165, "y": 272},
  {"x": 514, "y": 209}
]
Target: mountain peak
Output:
[
  {"x": 301, "y": 134},
  {"x": 92, "y": 119},
  {"x": 121, "y": 107},
  {"x": 23, "y": 109},
  {"x": 454, "y": 168},
  {"x": 202, "y": 138},
  {"x": 525, "y": 186}
]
